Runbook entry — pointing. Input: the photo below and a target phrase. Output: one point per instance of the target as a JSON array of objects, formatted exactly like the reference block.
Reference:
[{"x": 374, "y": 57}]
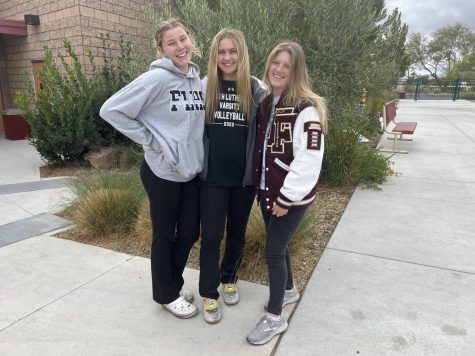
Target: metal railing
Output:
[{"x": 419, "y": 89}]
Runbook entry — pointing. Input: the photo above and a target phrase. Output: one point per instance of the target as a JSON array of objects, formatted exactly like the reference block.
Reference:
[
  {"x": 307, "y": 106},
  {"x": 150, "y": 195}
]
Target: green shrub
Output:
[
  {"x": 467, "y": 95},
  {"x": 348, "y": 46},
  {"x": 373, "y": 167},
  {"x": 107, "y": 201},
  {"x": 64, "y": 114},
  {"x": 130, "y": 156},
  {"x": 348, "y": 161}
]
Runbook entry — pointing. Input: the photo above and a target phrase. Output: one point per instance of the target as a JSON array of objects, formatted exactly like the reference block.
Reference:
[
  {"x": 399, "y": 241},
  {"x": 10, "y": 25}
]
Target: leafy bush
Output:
[
  {"x": 467, "y": 96},
  {"x": 373, "y": 167},
  {"x": 130, "y": 156},
  {"x": 347, "y": 161},
  {"x": 348, "y": 45},
  {"x": 64, "y": 114}
]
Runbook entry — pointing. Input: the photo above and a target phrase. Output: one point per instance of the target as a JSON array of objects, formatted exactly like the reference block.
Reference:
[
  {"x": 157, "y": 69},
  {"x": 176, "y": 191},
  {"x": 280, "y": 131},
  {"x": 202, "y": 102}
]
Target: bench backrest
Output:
[{"x": 389, "y": 111}]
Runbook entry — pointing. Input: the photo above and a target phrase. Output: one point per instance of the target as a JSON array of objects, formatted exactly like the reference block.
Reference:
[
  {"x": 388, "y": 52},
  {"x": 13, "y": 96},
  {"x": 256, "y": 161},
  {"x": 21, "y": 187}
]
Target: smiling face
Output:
[
  {"x": 177, "y": 46},
  {"x": 228, "y": 58},
  {"x": 278, "y": 74}
]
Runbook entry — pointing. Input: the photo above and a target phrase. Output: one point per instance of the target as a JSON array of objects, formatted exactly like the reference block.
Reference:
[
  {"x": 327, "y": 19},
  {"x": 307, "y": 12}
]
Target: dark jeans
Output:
[
  {"x": 279, "y": 234},
  {"x": 220, "y": 206},
  {"x": 174, "y": 210}
]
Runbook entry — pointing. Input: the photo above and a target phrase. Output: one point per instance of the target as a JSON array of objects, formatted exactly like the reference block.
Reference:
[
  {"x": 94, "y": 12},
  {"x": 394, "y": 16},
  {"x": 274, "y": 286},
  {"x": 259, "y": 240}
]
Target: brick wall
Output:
[{"x": 80, "y": 21}]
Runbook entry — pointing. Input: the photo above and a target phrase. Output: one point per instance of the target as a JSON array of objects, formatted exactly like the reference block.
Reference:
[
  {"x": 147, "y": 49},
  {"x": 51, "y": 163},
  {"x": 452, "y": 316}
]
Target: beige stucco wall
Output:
[{"x": 80, "y": 21}]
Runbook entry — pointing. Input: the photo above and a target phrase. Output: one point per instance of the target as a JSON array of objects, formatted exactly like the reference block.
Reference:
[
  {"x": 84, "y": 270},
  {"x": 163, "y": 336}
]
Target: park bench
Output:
[{"x": 396, "y": 132}]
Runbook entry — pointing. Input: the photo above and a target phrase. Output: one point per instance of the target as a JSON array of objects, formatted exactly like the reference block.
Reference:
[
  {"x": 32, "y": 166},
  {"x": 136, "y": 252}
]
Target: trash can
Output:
[{"x": 16, "y": 128}]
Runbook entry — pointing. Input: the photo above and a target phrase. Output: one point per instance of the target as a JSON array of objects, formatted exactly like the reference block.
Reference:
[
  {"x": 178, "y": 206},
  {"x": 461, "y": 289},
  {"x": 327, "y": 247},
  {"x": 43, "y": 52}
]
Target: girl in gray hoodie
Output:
[{"x": 163, "y": 110}]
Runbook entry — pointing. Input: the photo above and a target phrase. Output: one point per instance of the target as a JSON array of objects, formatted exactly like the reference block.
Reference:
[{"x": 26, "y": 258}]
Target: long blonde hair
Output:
[
  {"x": 243, "y": 75},
  {"x": 299, "y": 85}
]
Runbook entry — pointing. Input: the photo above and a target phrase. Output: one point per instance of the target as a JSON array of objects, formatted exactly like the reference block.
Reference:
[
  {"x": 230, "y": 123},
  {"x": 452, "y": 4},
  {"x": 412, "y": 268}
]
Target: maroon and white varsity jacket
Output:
[{"x": 294, "y": 154}]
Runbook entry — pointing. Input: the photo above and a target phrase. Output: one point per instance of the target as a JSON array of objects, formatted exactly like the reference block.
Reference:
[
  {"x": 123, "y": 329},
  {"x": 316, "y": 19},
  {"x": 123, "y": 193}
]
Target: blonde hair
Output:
[
  {"x": 243, "y": 75},
  {"x": 168, "y": 25},
  {"x": 299, "y": 89}
]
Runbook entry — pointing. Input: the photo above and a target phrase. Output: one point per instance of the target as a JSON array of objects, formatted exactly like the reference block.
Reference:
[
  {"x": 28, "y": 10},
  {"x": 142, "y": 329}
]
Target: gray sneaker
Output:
[
  {"x": 211, "y": 310},
  {"x": 230, "y": 293},
  {"x": 290, "y": 296},
  {"x": 265, "y": 330}
]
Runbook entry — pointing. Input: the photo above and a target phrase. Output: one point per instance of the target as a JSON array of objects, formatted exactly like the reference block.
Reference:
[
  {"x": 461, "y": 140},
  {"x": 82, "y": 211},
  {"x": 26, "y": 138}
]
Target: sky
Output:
[{"x": 426, "y": 16}]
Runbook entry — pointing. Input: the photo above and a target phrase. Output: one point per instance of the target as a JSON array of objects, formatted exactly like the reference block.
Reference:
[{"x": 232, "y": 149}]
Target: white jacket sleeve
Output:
[
  {"x": 308, "y": 147},
  {"x": 121, "y": 111}
]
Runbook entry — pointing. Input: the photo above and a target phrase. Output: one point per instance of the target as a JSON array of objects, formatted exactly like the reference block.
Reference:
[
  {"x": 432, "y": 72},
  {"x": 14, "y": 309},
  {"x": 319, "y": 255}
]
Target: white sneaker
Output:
[
  {"x": 230, "y": 293},
  {"x": 211, "y": 310},
  {"x": 181, "y": 308}
]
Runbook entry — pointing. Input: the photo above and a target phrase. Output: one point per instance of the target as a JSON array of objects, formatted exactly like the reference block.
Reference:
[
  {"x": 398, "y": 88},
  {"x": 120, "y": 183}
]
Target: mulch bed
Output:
[{"x": 330, "y": 203}]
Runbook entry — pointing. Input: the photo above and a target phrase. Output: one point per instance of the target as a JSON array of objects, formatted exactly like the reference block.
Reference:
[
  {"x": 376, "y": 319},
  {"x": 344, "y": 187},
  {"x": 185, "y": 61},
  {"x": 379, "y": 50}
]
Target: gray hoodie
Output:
[{"x": 163, "y": 110}]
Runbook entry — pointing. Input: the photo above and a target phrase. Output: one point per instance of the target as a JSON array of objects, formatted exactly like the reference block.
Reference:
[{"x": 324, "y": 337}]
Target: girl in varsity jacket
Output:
[{"x": 288, "y": 157}]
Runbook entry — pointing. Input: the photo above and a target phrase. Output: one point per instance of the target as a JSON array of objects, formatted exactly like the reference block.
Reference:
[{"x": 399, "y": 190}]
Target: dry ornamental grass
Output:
[{"x": 306, "y": 247}]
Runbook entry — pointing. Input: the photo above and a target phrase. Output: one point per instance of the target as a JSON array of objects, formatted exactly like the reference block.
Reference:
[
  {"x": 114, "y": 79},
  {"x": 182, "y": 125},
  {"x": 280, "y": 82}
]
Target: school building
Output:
[{"x": 26, "y": 26}]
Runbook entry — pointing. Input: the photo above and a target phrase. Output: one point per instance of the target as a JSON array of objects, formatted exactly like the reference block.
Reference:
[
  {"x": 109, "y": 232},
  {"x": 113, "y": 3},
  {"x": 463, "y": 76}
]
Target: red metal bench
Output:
[{"x": 400, "y": 128}]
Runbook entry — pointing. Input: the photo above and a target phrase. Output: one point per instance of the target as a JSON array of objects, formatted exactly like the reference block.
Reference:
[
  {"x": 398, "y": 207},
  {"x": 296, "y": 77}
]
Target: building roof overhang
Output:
[{"x": 13, "y": 27}]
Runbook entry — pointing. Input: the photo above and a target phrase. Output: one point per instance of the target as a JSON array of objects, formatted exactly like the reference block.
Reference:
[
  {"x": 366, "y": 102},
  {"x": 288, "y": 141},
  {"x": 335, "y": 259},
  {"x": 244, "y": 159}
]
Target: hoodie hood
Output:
[{"x": 166, "y": 63}]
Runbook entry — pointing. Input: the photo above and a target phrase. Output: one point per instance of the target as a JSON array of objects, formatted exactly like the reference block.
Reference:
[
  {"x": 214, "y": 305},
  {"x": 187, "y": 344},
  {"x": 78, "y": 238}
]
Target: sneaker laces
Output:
[
  {"x": 263, "y": 324},
  {"x": 230, "y": 287},
  {"x": 210, "y": 304}
]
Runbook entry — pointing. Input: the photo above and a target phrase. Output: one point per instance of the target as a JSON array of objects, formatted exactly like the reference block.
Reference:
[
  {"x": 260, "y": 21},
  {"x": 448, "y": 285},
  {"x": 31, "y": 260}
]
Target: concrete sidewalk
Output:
[
  {"x": 27, "y": 202},
  {"x": 398, "y": 275},
  {"x": 59, "y": 297}
]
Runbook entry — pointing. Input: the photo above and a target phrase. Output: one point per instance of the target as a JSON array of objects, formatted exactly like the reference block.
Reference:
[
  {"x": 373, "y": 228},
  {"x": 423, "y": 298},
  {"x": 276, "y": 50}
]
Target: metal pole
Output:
[
  {"x": 456, "y": 89},
  {"x": 417, "y": 90}
]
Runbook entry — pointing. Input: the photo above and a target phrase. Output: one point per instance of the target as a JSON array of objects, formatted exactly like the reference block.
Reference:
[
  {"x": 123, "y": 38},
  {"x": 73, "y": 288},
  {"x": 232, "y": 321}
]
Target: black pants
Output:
[
  {"x": 220, "y": 206},
  {"x": 174, "y": 210},
  {"x": 280, "y": 231}
]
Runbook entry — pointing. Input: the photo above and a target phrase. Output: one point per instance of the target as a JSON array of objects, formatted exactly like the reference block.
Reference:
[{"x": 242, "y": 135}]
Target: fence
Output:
[{"x": 419, "y": 89}]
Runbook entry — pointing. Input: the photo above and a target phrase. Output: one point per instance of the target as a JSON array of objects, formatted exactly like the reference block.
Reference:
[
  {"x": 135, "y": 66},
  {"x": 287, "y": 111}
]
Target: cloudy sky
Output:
[{"x": 426, "y": 16}]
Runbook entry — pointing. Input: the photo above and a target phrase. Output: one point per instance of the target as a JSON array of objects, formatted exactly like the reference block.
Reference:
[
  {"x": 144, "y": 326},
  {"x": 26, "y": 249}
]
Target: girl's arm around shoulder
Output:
[
  {"x": 259, "y": 89},
  {"x": 308, "y": 147}
]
